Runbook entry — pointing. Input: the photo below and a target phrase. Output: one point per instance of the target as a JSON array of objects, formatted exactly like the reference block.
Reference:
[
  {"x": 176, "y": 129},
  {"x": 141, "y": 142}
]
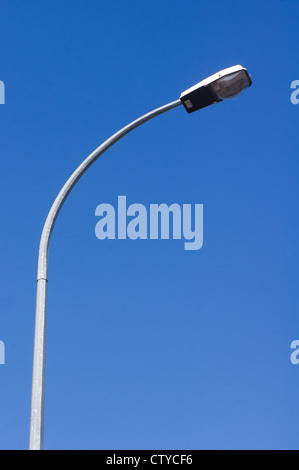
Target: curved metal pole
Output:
[{"x": 38, "y": 380}]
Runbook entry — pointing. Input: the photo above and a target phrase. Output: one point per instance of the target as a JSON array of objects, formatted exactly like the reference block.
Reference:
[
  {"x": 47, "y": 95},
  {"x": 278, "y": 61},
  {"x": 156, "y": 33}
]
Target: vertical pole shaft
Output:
[{"x": 38, "y": 380}]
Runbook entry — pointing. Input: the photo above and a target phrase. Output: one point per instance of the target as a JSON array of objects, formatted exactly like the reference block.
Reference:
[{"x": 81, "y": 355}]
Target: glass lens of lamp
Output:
[{"x": 231, "y": 86}]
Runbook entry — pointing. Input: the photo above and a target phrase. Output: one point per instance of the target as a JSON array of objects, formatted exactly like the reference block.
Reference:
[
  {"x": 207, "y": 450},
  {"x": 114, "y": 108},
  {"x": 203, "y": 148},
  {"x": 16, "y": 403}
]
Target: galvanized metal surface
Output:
[{"x": 38, "y": 380}]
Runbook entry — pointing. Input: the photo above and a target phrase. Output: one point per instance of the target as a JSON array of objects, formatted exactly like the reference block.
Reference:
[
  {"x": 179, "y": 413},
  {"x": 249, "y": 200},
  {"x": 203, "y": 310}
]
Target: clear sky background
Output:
[{"x": 150, "y": 346}]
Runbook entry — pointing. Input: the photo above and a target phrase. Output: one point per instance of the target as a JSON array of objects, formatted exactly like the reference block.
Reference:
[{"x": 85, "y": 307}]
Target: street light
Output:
[{"x": 225, "y": 84}]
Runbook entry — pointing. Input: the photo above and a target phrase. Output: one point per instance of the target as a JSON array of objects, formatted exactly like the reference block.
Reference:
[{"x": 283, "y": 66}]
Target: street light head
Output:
[{"x": 225, "y": 84}]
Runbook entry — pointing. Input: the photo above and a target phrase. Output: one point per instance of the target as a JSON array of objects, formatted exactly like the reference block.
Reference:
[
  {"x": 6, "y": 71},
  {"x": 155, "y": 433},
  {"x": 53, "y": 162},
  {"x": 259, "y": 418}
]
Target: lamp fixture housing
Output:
[{"x": 226, "y": 84}]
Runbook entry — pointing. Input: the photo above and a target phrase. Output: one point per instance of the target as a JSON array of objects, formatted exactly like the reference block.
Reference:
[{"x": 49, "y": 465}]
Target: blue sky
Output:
[{"x": 150, "y": 346}]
